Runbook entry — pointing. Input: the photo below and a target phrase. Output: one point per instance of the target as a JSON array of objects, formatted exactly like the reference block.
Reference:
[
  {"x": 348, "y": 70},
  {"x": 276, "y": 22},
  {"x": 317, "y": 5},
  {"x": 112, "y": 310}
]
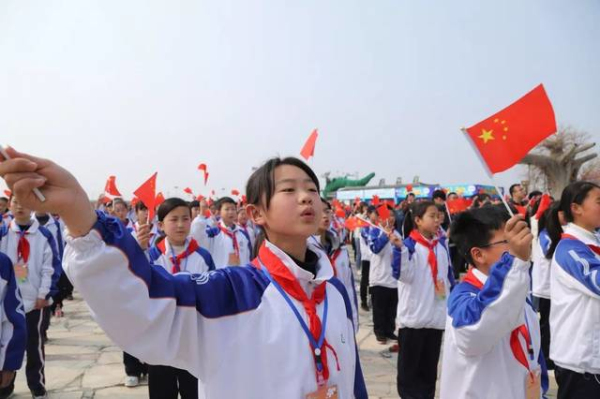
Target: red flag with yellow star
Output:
[{"x": 506, "y": 137}]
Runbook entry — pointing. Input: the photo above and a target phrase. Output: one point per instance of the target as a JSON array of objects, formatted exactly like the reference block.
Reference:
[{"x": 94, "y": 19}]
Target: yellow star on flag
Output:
[{"x": 486, "y": 135}]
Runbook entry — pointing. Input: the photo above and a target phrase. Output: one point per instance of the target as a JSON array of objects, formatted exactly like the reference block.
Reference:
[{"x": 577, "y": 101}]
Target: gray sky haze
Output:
[{"x": 128, "y": 88}]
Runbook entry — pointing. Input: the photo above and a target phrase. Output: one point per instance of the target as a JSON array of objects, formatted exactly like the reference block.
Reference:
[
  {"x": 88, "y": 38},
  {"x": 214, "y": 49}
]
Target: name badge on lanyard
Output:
[{"x": 324, "y": 391}]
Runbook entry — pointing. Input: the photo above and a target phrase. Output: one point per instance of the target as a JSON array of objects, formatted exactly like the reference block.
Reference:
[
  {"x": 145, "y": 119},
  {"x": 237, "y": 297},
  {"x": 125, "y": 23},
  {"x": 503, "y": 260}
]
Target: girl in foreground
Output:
[{"x": 288, "y": 333}]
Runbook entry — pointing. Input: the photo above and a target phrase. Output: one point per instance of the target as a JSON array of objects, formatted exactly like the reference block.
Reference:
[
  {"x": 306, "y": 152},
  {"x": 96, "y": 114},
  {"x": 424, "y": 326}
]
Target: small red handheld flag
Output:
[
  {"x": 188, "y": 190},
  {"x": 375, "y": 200},
  {"x": 204, "y": 169},
  {"x": 309, "y": 147},
  {"x": 110, "y": 189},
  {"x": 384, "y": 212},
  {"x": 545, "y": 203},
  {"x": 503, "y": 139},
  {"x": 235, "y": 192},
  {"x": 147, "y": 194},
  {"x": 160, "y": 198},
  {"x": 8, "y": 193}
]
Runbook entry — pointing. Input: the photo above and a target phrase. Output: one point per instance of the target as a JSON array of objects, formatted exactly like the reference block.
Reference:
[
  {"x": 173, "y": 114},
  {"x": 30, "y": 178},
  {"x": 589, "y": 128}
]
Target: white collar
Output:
[
  {"x": 324, "y": 268},
  {"x": 587, "y": 237},
  {"x": 479, "y": 275},
  {"x": 33, "y": 227}
]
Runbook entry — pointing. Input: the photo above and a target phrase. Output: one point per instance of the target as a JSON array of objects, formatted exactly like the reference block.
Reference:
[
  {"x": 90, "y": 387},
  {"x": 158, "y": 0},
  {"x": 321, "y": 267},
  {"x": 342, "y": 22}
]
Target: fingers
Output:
[
  {"x": 16, "y": 154},
  {"x": 19, "y": 165},
  {"x": 510, "y": 224},
  {"x": 13, "y": 178},
  {"x": 24, "y": 187}
]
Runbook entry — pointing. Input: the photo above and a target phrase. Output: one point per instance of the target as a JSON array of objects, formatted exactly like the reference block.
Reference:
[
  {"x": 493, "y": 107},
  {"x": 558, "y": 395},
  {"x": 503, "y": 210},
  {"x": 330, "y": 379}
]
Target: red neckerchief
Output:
[
  {"x": 594, "y": 248},
  {"x": 176, "y": 261},
  {"x": 431, "y": 257},
  {"x": 231, "y": 234},
  {"x": 515, "y": 344},
  {"x": 23, "y": 247},
  {"x": 333, "y": 258},
  {"x": 284, "y": 277}
]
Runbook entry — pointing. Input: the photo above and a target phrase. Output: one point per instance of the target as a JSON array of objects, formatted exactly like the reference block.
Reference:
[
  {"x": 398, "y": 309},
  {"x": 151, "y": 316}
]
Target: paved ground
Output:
[{"x": 81, "y": 362}]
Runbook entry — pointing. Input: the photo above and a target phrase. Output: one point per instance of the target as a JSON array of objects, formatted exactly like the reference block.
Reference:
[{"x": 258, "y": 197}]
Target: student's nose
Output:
[{"x": 305, "y": 197}]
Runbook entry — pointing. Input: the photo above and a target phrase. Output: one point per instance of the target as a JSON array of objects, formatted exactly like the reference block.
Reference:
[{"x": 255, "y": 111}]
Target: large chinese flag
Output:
[
  {"x": 147, "y": 194},
  {"x": 506, "y": 137}
]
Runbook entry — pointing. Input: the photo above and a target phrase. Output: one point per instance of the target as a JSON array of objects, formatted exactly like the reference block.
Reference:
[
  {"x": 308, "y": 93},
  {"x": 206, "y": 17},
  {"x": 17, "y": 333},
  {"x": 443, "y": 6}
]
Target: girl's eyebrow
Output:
[{"x": 307, "y": 180}]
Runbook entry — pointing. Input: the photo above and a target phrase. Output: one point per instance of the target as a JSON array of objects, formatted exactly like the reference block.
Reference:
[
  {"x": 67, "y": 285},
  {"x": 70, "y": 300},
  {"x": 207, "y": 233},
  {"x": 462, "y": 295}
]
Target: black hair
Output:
[
  {"x": 371, "y": 209},
  {"x": 574, "y": 193},
  {"x": 224, "y": 200},
  {"x": 140, "y": 206},
  {"x": 168, "y": 205},
  {"x": 417, "y": 210},
  {"x": 475, "y": 228},
  {"x": 511, "y": 189},
  {"x": 120, "y": 201},
  {"x": 411, "y": 194},
  {"x": 4, "y": 199},
  {"x": 195, "y": 204},
  {"x": 261, "y": 184},
  {"x": 550, "y": 221},
  {"x": 533, "y": 194},
  {"x": 439, "y": 194},
  {"x": 452, "y": 193},
  {"x": 480, "y": 200},
  {"x": 326, "y": 203}
]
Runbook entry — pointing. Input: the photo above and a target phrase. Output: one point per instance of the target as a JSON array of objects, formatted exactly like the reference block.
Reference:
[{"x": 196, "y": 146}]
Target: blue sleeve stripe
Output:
[
  {"x": 56, "y": 262},
  {"x": 15, "y": 313},
  {"x": 396, "y": 262},
  {"x": 207, "y": 258},
  {"x": 377, "y": 240},
  {"x": 360, "y": 389},
  {"x": 578, "y": 260},
  {"x": 466, "y": 309},
  {"x": 224, "y": 292}
]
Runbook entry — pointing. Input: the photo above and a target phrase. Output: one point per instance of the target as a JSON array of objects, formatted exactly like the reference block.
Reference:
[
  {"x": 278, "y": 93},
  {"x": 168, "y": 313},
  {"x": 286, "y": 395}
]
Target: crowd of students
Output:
[{"x": 258, "y": 299}]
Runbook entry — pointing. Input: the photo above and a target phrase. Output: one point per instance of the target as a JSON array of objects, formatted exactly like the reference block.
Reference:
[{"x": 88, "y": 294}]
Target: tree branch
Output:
[
  {"x": 580, "y": 161},
  {"x": 583, "y": 148},
  {"x": 541, "y": 161}
]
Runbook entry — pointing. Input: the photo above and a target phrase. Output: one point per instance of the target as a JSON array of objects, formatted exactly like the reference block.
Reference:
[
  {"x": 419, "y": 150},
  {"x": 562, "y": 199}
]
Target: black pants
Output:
[
  {"x": 544, "y": 308},
  {"x": 46, "y": 322},
  {"x": 133, "y": 367},
  {"x": 418, "y": 362},
  {"x": 364, "y": 281},
  {"x": 572, "y": 385},
  {"x": 385, "y": 302},
  {"x": 166, "y": 382},
  {"x": 36, "y": 356}
]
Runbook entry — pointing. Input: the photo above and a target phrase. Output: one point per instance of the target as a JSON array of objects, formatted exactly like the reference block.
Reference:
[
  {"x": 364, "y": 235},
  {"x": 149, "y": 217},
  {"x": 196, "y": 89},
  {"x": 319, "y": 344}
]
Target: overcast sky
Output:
[{"x": 133, "y": 87}]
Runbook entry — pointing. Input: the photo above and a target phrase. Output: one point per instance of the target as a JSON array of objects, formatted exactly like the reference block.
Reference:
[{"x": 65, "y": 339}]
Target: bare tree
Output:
[
  {"x": 560, "y": 157},
  {"x": 591, "y": 172}
]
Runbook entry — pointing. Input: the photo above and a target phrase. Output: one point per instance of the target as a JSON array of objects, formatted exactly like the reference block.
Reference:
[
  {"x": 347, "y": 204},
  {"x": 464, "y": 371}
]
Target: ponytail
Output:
[
  {"x": 574, "y": 193},
  {"x": 551, "y": 222},
  {"x": 417, "y": 210}
]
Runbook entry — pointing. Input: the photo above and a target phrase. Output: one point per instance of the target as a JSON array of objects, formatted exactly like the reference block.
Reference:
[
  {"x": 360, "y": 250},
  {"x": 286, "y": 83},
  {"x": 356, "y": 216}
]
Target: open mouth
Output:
[{"x": 308, "y": 213}]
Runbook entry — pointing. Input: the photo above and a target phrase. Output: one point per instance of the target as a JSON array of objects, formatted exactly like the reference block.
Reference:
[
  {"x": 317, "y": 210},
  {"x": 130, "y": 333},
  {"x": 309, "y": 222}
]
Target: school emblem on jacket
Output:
[{"x": 201, "y": 278}]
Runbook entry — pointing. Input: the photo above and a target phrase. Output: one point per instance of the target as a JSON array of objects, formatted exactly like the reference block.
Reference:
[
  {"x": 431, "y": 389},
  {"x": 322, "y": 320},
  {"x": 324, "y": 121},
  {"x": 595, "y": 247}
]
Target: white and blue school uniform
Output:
[
  {"x": 231, "y": 313},
  {"x": 34, "y": 254},
  {"x": 492, "y": 339},
  {"x": 224, "y": 241},
  {"x": 198, "y": 230},
  {"x": 418, "y": 306},
  {"x": 342, "y": 269},
  {"x": 193, "y": 260},
  {"x": 383, "y": 283},
  {"x": 43, "y": 263},
  {"x": 13, "y": 328},
  {"x": 541, "y": 269},
  {"x": 250, "y": 231},
  {"x": 56, "y": 227},
  {"x": 365, "y": 251},
  {"x": 129, "y": 226},
  {"x": 575, "y": 296}
]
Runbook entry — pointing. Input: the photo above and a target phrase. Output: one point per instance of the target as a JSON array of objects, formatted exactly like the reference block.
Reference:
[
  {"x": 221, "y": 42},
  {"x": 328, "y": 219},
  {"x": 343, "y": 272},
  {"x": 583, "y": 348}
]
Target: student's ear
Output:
[
  {"x": 255, "y": 214},
  {"x": 161, "y": 226},
  {"x": 576, "y": 209},
  {"x": 477, "y": 256}
]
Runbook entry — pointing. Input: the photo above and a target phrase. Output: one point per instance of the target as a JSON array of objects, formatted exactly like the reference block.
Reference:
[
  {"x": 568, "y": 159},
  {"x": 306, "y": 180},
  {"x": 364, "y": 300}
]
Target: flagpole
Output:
[
  {"x": 448, "y": 212},
  {"x": 489, "y": 173}
]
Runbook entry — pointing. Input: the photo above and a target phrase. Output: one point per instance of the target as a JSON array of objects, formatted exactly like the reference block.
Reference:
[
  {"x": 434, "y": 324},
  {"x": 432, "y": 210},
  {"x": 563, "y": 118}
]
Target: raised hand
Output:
[
  {"x": 63, "y": 193},
  {"x": 519, "y": 237}
]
